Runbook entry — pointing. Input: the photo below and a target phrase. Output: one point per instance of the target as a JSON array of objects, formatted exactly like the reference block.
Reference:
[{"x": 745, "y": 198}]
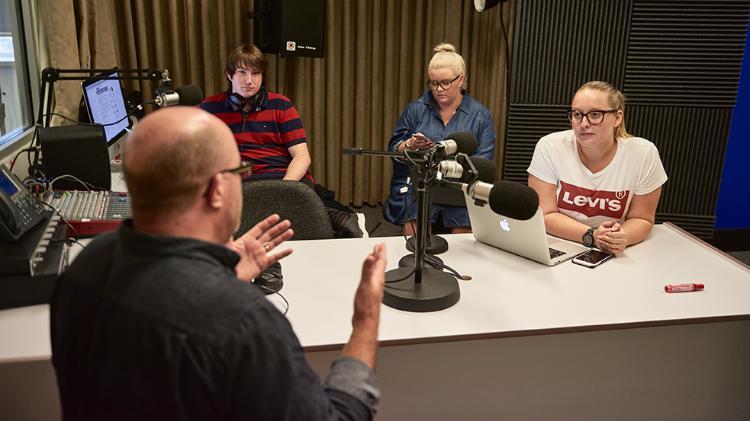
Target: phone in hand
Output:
[
  {"x": 421, "y": 141},
  {"x": 592, "y": 258}
]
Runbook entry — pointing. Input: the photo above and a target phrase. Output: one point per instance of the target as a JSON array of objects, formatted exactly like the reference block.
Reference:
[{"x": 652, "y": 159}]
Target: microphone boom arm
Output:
[{"x": 50, "y": 75}]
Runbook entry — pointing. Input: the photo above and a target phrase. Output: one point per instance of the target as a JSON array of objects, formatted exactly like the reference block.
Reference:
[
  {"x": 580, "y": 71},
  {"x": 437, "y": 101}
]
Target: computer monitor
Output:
[{"x": 105, "y": 102}]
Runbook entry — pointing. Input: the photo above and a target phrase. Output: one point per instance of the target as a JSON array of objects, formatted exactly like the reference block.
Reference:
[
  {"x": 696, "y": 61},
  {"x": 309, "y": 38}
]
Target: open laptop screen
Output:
[{"x": 105, "y": 102}]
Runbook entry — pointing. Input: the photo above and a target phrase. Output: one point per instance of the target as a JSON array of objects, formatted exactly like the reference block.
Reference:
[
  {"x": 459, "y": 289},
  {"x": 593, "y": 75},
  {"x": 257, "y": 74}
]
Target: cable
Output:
[
  {"x": 505, "y": 38},
  {"x": 271, "y": 290},
  {"x": 431, "y": 260},
  {"x": 73, "y": 229},
  {"x": 13, "y": 161},
  {"x": 33, "y": 185},
  {"x": 139, "y": 107},
  {"x": 33, "y": 168},
  {"x": 88, "y": 186},
  {"x": 413, "y": 162},
  {"x": 401, "y": 279},
  {"x": 406, "y": 214}
]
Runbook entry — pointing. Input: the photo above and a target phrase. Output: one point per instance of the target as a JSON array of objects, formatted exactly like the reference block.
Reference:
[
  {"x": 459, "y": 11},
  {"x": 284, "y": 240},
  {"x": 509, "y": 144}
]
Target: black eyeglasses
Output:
[
  {"x": 445, "y": 84},
  {"x": 243, "y": 170},
  {"x": 593, "y": 116}
]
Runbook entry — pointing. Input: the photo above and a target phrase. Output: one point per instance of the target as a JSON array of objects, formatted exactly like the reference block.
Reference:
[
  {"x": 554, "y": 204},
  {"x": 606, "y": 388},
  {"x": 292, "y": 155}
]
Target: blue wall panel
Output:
[{"x": 733, "y": 208}]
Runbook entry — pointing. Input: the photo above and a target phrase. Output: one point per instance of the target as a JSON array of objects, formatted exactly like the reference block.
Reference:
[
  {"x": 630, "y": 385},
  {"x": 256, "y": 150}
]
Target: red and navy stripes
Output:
[{"x": 265, "y": 134}]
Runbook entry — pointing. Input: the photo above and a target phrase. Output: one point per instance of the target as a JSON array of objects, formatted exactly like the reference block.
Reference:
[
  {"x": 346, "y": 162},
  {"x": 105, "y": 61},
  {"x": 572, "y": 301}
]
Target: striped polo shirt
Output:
[{"x": 265, "y": 134}]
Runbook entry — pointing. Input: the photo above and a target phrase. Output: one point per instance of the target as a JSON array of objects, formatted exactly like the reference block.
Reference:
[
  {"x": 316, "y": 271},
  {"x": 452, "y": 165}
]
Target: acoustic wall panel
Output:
[
  {"x": 559, "y": 44},
  {"x": 686, "y": 53},
  {"x": 701, "y": 226},
  {"x": 691, "y": 143},
  {"x": 678, "y": 63},
  {"x": 526, "y": 124}
]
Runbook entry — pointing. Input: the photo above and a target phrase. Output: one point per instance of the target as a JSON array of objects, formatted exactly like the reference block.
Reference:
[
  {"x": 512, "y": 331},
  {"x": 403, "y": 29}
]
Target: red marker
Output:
[{"x": 683, "y": 287}]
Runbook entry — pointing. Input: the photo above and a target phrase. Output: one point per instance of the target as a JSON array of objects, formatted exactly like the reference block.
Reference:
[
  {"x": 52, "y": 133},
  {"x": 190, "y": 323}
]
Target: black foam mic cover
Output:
[
  {"x": 514, "y": 200},
  {"x": 189, "y": 94},
  {"x": 485, "y": 169},
  {"x": 465, "y": 141}
]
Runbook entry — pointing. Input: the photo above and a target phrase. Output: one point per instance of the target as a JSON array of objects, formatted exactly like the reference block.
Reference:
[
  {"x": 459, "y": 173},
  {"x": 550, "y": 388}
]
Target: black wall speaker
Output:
[
  {"x": 79, "y": 151},
  {"x": 290, "y": 27}
]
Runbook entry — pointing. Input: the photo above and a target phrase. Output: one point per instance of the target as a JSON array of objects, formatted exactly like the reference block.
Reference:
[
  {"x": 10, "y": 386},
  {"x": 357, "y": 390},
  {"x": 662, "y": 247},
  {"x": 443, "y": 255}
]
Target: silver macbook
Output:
[{"x": 525, "y": 238}]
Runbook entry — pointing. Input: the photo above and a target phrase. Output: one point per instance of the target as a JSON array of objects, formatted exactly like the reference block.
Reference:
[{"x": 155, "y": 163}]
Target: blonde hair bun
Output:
[{"x": 444, "y": 47}]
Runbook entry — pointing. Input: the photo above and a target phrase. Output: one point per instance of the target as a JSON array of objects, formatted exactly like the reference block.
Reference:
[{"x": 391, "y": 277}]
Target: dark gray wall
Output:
[{"x": 677, "y": 62}]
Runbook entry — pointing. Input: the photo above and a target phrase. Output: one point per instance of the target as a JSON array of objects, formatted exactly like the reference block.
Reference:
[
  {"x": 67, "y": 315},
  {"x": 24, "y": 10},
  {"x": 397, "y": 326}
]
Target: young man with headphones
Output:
[
  {"x": 266, "y": 125},
  {"x": 269, "y": 131}
]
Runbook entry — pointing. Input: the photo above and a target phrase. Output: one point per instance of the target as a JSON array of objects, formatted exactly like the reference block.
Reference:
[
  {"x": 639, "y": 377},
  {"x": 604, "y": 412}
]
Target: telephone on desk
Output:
[
  {"x": 20, "y": 211},
  {"x": 32, "y": 245}
]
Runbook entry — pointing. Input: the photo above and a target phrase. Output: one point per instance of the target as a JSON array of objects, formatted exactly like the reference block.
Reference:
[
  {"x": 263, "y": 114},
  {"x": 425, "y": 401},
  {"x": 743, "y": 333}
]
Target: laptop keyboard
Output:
[{"x": 555, "y": 253}]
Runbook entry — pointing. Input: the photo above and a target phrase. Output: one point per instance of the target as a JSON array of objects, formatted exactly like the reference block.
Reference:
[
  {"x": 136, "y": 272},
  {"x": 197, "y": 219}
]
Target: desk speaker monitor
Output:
[
  {"x": 290, "y": 27},
  {"x": 80, "y": 151}
]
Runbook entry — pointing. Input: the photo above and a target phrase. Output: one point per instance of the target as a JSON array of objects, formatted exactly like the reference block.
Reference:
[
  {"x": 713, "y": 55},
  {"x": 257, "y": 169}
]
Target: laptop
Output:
[
  {"x": 524, "y": 238},
  {"x": 105, "y": 101}
]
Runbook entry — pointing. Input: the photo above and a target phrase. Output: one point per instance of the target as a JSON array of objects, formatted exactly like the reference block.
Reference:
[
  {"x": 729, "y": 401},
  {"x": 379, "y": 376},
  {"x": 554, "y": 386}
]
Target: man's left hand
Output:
[{"x": 254, "y": 246}]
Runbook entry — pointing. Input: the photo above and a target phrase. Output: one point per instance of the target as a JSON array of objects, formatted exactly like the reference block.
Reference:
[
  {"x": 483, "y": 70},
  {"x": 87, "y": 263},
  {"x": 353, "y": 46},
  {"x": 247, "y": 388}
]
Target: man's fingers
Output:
[
  {"x": 382, "y": 257},
  {"x": 282, "y": 229},
  {"x": 273, "y": 258},
  {"x": 263, "y": 226},
  {"x": 283, "y": 236},
  {"x": 374, "y": 265}
]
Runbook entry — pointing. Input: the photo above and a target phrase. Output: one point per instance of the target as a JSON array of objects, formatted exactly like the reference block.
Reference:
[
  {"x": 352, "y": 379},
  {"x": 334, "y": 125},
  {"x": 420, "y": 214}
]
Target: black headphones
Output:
[{"x": 239, "y": 102}]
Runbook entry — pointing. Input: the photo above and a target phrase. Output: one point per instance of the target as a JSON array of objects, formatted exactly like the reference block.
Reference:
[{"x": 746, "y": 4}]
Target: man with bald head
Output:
[{"x": 160, "y": 320}]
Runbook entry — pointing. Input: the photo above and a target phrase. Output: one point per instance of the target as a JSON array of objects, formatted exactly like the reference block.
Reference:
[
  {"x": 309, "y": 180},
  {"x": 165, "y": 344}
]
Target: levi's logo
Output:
[{"x": 592, "y": 202}]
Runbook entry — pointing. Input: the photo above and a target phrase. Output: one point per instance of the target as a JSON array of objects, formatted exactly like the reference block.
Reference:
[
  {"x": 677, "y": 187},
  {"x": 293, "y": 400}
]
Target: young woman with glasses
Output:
[
  {"x": 597, "y": 183},
  {"x": 444, "y": 109}
]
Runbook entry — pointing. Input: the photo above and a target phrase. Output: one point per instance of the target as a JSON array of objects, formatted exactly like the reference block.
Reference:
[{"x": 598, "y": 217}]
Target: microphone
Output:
[
  {"x": 182, "y": 95},
  {"x": 506, "y": 198},
  {"x": 485, "y": 169},
  {"x": 460, "y": 142}
]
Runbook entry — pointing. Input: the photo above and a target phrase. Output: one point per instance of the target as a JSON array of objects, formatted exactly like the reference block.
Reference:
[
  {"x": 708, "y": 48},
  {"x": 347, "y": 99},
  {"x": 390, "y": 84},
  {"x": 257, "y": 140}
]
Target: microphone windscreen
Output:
[
  {"x": 189, "y": 94},
  {"x": 485, "y": 169},
  {"x": 465, "y": 142},
  {"x": 513, "y": 200}
]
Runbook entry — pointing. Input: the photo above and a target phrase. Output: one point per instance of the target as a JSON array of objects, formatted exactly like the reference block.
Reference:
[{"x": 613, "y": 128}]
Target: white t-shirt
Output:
[{"x": 594, "y": 198}]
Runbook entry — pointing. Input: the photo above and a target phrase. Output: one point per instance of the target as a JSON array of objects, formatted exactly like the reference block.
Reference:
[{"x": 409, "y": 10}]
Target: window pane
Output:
[{"x": 15, "y": 111}]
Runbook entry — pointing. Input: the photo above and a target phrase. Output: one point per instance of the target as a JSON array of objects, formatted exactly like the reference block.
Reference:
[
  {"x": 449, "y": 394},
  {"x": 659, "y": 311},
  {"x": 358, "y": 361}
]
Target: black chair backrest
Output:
[{"x": 292, "y": 200}]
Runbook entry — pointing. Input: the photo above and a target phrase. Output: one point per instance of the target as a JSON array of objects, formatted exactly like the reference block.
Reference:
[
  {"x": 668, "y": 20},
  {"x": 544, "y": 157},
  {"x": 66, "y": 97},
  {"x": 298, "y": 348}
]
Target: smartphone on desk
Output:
[{"x": 592, "y": 258}]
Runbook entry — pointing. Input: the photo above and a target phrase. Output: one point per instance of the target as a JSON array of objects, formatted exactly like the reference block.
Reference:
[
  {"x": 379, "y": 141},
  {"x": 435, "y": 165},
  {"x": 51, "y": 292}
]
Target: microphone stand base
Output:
[
  {"x": 408, "y": 261},
  {"x": 437, "y": 291},
  {"x": 435, "y": 244}
]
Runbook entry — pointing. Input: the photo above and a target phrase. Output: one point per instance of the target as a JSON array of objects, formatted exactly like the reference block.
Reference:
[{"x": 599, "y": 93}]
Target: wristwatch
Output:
[{"x": 588, "y": 237}]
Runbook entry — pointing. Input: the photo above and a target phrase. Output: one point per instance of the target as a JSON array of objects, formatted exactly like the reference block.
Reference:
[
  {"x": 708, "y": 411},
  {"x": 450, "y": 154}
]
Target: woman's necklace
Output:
[{"x": 447, "y": 119}]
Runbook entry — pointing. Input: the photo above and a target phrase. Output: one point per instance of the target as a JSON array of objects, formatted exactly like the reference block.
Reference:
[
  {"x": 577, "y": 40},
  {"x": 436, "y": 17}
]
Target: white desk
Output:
[{"x": 524, "y": 342}]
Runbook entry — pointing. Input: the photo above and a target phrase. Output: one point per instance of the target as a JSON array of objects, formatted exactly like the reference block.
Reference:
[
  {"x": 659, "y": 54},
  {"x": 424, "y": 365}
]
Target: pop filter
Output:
[{"x": 514, "y": 200}]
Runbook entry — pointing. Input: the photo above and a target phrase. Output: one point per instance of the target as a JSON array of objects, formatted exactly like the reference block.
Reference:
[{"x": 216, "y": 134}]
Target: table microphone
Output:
[
  {"x": 182, "y": 95},
  {"x": 454, "y": 169},
  {"x": 460, "y": 142},
  {"x": 507, "y": 198}
]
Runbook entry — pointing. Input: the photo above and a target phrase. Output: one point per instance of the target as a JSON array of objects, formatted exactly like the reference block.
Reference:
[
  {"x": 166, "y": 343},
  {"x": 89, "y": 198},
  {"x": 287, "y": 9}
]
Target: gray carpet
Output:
[
  {"x": 375, "y": 223},
  {"x": 742, "y": 256}
]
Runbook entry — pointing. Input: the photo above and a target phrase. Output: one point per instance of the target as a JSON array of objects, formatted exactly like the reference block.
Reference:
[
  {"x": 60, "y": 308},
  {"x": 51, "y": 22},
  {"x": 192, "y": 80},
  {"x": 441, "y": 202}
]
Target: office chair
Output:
[{"x": 292, "y": 200}]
